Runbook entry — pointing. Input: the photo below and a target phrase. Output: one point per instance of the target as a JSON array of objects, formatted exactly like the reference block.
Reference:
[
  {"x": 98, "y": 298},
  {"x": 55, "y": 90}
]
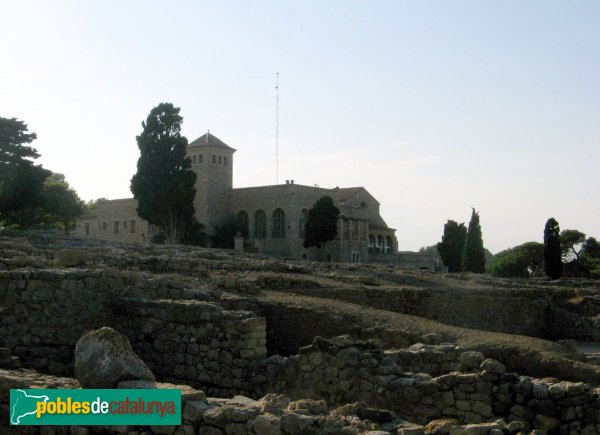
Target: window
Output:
[
  {"x": 116, "y": 227},
  {"x": 346, "y": 232},
  {"x": 260, "y": 224},
  {"x": 87, "y": 228},
  {"x": 104, "y": 226},
  {"x": 200, "y": 158},
  {"x": 242, "y": 221},
  {"x": 132, "y": 226},
  {"x": 194, "y": 159},
  {"x": 278, "y": 224},
  {"x": 371, "y": 243},
  {"x": 389, "y": 245},
  {"x": 302, "y": 223},
  {"x": 225, "y": 161},
  {"x": 214, "y": 159},
  {"x": 220, "y": 160}
]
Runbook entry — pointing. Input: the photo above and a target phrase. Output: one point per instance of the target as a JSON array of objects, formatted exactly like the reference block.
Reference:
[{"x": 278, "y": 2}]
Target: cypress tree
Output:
[
  {"x": 452, "y": 246},
  {"x": 164, "y": 182},
  {"x": 552, "y": 251},
  {"x": 474, "y": 256}
]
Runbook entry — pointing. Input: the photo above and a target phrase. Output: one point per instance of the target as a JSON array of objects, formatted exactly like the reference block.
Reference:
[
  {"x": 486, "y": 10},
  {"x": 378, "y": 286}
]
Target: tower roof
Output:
[{"x": 209, "y": 140}]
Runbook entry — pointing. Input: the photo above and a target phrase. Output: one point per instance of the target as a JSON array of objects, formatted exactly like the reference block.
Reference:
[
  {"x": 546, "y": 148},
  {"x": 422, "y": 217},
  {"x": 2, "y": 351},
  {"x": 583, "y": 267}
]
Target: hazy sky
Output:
[{"x": 433, "y": 106}]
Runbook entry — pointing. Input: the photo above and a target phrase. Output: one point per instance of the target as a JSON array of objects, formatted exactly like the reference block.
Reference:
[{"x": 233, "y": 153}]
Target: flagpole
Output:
[{"x": 277, "y": 131}]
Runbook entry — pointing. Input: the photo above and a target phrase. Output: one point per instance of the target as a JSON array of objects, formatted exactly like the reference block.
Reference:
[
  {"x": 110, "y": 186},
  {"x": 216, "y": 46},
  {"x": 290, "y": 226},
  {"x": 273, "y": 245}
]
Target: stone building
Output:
[{"x": 273, "y": 217}]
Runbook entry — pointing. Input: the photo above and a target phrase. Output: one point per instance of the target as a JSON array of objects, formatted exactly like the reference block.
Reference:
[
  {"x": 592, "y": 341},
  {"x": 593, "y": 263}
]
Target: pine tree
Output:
[
  {"x": 164, "y": 182},
  {"x": 552, "y": 250},
  {"x": 474, "y": 255},
  {"x": 321, "y": 225}
]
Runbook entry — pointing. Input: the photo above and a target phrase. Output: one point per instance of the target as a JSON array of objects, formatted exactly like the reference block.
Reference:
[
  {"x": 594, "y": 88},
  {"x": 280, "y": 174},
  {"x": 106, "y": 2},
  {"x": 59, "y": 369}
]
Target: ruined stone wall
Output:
[
  {"x": 182, "y": 333},
  {"x": 509, "y": 311},
  {"x": 343, "y": 370},
  {"x": 193, "y": 341}
]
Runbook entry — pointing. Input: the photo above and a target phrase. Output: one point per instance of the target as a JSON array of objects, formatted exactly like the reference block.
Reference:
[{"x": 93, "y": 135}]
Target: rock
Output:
[
  {"x": 470, "y": 360},
  {"x": 556, "y": 391},
  {"x": 516, "y": 426},
  {"x": 103, "y": 358},
  {"x": 545, "y": 423},
  {"x": 274, "y": 403},
  {"x": 348, "y": 409},
  {"x": 193, "y": 410},
  {"x": 310, "y": 405},
  {"x": 264, "y": 425},
  {"x": 540, "y": 391},
  {"x": 493, "y": 366},
  {"x": 293, "y": 423},
  {"x": 440, "y": 427}
]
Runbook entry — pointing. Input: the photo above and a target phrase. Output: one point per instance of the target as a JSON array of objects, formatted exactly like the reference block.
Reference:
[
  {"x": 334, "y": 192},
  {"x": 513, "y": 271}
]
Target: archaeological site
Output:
[{"x": 264, "y": 346}]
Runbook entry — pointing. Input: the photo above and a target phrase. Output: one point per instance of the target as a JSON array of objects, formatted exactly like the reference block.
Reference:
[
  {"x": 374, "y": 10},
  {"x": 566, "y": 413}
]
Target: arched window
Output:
[
  {"x": 278, "y": 224},
  {"x": 389, "y": 245},
  {"x": 242, "y": 222},
  {"x": 302, "y": 223},
  {"x": 260, "y": 224},
  {"x": 371, "y": 243},
  {"x": 379, "y": 243}
]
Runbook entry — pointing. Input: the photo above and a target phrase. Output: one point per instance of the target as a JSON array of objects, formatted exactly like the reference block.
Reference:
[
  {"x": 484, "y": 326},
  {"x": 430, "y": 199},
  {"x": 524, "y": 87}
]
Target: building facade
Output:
[{"x": 272, "y": 217}]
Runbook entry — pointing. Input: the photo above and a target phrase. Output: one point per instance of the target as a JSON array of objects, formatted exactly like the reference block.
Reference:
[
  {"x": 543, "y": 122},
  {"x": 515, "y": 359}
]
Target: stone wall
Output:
[
  {"x": 182, "y": 333},
  {"x": 194, "y": 342},
  {"x": 270, "y": 415},
  {"x": 343, "y": 370}
]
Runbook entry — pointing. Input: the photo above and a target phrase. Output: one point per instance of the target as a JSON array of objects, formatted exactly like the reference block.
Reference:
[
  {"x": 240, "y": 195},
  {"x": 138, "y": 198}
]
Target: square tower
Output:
[{"x": 212, "y": 161}]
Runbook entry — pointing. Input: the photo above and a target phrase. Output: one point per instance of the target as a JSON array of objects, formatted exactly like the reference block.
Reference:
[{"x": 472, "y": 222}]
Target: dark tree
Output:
[
  {"x": 552, "y": 251},
  {"x": 61, "y": 203},
  {"x": 21, "y": 180},
  {"x": 474, "y": 256},
  {"x": 224, "y": 233},
  {"x": 321, "y": 224},
  {"x": 521, "y": 261},
  {"x": 452, "y": 246},
  {"x": 164, "y": 182},
  {"x": 13, "y": 140}
]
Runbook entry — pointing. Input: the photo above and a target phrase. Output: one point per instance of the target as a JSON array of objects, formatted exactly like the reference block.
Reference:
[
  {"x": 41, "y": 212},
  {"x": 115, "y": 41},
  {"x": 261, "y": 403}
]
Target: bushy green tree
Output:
[
  {"x": 552, "y": 251},
  {"x": 321, "y": 224},
  {"x": 474, "y": 256},
  {"x": 21, "y": 181},
  {"x": 590, "y": 257},
  {"x": 452, "y": 246},
  {"x": 521, "y": 261},
  {"x": 164, "y": 182},
  {"x": 61, "y": 203}
]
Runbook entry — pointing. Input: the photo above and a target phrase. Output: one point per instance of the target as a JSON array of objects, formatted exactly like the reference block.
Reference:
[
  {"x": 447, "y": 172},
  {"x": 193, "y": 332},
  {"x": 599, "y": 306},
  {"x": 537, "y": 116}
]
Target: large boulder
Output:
[{"x": 103, "y": 358}]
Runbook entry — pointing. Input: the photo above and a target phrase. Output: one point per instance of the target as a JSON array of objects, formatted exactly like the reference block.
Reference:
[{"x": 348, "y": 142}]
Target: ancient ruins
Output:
[{"x": 264, "y": 346}]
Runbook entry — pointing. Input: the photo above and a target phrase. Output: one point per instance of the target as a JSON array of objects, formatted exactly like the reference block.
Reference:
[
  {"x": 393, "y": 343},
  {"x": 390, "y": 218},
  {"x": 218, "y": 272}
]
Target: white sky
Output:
[{"x": 433, "y": 106}]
